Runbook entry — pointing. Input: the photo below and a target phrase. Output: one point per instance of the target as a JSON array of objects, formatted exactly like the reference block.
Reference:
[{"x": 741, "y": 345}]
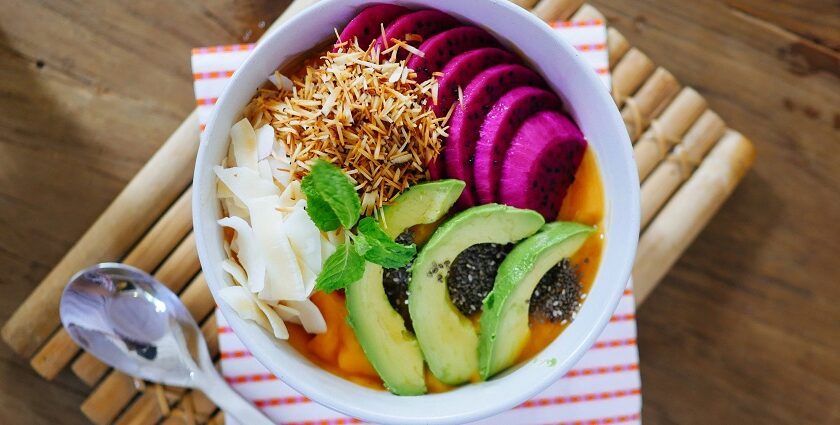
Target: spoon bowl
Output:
[
  {"x": 129, "y": 320},
  {"x": 134, "y": 323}
]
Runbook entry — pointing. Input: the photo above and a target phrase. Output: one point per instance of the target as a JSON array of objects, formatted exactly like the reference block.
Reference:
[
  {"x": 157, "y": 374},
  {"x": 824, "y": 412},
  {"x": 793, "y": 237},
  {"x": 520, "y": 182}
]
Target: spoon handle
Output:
[{"x": 217, "y": 390}]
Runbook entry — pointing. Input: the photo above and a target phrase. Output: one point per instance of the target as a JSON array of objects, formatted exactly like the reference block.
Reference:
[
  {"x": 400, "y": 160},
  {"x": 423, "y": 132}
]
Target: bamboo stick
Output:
[
  {"x": 59, "y": 350},
  {"x": 617, "y": 46},
  {"x": 690, "y": 209},
  {"x": 164, "y": 236},
  {"x": 146, "y": 255},
  {"x": 217, "y": 419},
  {"x": 667, "y": 177},
  {"x": 646, "y": 104},
  {"x": 587, "y": 12},
  {"x": 175, "y": 273},
  {"x": 667, "y": 130},
  {"x": 194, "y": 407},
  {"x": 134, "y": 210},
  {"x": 156, "y": 402},
  {"x": 197, "y": 298},
  {"x": 556, "y": 10},
  {"x": 526, "y": 4},
  {"x": 102, "y": 406},
  {"x": 202, "y": 406},
  {"x": 117, "y": 389},
  {"x": 149, "y": 405},
  {"x": 629, "y": 74}
]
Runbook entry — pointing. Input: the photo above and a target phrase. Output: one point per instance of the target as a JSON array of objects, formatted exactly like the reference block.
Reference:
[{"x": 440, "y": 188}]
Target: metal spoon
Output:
[{"x": 129, "y": 320}]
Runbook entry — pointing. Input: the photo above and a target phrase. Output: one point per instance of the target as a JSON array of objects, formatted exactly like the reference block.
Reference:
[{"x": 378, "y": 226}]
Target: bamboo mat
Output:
[{"x": 689, "y": 163}]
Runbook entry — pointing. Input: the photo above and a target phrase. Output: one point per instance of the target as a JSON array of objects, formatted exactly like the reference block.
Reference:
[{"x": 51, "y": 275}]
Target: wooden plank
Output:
[
  {"x": 751, "y": 294},
  {"x": 555, "y": 10},
  {"x": 160, "y": 181},
  {"x": 818, "y": 21}
]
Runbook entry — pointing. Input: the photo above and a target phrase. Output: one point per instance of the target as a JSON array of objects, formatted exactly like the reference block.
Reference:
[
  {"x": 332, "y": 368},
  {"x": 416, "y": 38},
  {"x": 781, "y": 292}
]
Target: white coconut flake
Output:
[
  {"x": 305, "y": 239},
  {"x": 290, "y": 195},
  {"x": 244, "y": 142},
  {"x": 234, "y": 209},
  {"x": 264, "y": 170},
  {"x": 277, "y": 326},
  {"x": 310, "y": 317},
  {"x": 245, "y": 183},
  {"x": 287, "y": 313},
  {"x": 247, "y": 307},
  {"x": 249, "y": 252},
  {"x": 281, "y": 81},
  {"x": 284, "y": 280},
  {"x": 280, "y": 170},
  {"x": 235, "y": 271},
  {"x": 222, "y": 191},
  {"x": 265, "y": 141}
]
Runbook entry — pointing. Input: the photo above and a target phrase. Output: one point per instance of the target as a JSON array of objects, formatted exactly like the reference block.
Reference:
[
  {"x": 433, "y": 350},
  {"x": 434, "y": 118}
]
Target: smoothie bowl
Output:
[{"x": 416, "y": 212}]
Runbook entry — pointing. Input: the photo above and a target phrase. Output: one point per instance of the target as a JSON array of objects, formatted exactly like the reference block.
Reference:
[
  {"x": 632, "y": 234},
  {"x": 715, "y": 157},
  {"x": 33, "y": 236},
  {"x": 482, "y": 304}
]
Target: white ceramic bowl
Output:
[{"x": 592, "y": 108}]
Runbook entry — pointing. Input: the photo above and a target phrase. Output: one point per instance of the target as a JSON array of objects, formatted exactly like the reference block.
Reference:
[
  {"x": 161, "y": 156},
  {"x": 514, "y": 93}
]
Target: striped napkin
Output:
[{"x": 603, "y": 388}]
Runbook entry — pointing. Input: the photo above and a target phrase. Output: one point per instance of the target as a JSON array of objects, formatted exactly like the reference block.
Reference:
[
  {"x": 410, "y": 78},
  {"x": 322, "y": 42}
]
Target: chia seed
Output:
[
  {"x": 395, "y": 282},
  {"x": 472, "y": 275},
  {"x": 558, "y": 294}
]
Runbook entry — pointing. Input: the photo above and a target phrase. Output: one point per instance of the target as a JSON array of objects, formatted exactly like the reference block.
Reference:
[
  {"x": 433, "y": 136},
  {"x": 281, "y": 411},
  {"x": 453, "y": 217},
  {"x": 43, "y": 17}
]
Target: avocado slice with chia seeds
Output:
[
  {"x": 448, "y": 339},
  {"x": 380, "y": 330},
  {"x": 504, "y": 327}
]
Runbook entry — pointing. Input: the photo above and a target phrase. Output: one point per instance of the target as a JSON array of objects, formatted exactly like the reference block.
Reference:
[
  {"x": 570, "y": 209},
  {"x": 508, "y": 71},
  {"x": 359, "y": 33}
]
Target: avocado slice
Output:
[
  {"x": 448, "y": 339},
  {"x": 388, "y": 345},
  {"x": 504, "y": 327}
]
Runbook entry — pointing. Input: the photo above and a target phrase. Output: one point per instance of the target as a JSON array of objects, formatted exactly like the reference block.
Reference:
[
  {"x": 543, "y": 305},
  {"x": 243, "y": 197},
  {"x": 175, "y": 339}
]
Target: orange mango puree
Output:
[{"x": 338, "y": 351}]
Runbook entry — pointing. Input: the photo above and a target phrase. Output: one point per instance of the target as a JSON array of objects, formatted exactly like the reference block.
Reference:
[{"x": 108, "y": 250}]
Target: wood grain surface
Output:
[{"x": 744, "y": 328}]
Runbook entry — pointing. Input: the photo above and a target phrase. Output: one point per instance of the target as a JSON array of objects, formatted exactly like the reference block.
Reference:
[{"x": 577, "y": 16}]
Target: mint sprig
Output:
[
  {"x": 332, "y": 202},
  {"x": 377, "y": 247},
  {"x": 342, "y": 268},
  {"x": 333, "y": 197}
]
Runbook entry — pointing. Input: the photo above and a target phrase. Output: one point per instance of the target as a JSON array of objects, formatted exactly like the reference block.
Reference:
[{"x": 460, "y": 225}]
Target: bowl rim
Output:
[{"x": 255, "y": 339}]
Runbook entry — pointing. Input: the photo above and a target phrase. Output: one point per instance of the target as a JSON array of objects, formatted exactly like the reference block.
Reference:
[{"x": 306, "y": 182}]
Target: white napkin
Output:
[{"x": 603, "y": 388}]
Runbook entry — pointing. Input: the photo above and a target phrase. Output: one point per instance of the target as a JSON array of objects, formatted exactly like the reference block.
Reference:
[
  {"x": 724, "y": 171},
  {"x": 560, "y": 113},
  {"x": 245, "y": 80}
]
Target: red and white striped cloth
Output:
[{"x": 603, "y": 388}]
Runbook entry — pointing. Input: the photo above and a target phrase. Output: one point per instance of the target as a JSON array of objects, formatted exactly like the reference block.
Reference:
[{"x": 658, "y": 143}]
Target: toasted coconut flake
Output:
[
  {"x": 414, "y": 37},
  {"x": 360, "y": 110}
]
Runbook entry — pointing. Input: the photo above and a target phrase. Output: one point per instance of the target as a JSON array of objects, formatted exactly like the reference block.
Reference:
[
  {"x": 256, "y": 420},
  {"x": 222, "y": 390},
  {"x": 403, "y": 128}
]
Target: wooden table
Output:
[{"x": 745, "y": 327}]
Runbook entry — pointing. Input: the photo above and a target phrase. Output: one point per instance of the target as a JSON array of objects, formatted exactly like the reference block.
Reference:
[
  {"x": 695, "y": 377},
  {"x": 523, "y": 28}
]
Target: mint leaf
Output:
[
  {"x": 317, "y": 208},
  {"x": 341, "y": 269},
  {"x": 377, "y": 247},
  {"x": 329, "y": 184}
]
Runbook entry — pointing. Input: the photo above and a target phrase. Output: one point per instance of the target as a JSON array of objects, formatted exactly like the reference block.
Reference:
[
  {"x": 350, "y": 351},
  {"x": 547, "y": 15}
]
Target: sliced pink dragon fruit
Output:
[
  {"x": 424, "y": 23},
  {"x": 462, "y": 69},
  {"x": 439, "y": 49},
  {"x": 365, "y": 27},
  {"x": 498, "y": 130},
  {"x": 458, "y": 73},
  {"x": 481, "y": 93},
  {"x": 541, "y": 163}
]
